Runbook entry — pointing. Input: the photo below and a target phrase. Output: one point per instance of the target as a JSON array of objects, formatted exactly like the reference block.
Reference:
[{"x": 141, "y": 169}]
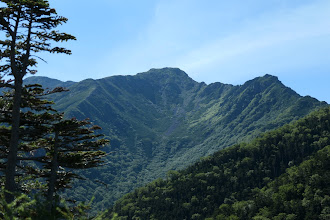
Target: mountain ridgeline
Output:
[{"x": 163, "y": 120}]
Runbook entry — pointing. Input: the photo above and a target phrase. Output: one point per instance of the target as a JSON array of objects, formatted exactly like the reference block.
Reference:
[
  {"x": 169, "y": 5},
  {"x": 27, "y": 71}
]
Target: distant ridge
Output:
[
  {"x": 163, "y": 120},
  {"x": 47, "y": 82}
]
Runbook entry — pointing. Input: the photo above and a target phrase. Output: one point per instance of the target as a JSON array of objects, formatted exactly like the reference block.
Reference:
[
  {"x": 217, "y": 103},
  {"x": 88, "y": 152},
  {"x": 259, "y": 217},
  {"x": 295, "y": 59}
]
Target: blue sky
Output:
[{"x": 211, "y": 40}]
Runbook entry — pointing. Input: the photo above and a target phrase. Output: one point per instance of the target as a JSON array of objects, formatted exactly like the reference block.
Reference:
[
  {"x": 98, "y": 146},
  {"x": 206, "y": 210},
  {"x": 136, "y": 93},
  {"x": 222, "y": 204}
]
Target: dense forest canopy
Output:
[{"x": 277, "y": 174}]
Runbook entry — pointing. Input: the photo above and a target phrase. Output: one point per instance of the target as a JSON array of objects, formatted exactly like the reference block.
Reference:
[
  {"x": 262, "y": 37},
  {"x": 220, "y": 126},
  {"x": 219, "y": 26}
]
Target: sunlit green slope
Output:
[
  {"x": 163, "y": 120},
  {"x": 284, "y": 174}
]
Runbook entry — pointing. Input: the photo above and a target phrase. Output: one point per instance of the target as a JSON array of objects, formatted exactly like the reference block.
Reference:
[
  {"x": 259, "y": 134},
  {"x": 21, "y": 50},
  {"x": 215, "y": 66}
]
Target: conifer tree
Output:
[
  {"x": 74, "y": 145},
  {"x": 29, "y": 28},
  {"x": 56, "y": 145},
  {"x": 35, "y": 118}
]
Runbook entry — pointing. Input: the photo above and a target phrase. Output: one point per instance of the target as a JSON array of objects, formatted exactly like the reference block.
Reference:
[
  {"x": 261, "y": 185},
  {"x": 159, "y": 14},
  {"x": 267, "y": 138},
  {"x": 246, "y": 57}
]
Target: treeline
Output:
[{"x": 229, "y": 184}]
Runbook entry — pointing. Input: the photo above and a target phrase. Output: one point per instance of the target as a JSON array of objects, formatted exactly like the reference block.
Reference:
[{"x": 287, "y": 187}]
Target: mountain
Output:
[
  {"x": 284, "y": 174},
  {"x": 47, "y": 82},
  {"x": 163, "y": 120}
]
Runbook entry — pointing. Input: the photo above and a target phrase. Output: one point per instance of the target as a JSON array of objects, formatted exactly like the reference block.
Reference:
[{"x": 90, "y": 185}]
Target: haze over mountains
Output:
[{"x": 163, "y": 120}]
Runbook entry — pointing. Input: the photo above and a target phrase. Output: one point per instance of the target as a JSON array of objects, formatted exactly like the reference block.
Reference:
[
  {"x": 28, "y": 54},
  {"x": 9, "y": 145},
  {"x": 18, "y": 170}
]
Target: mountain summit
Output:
[{"x": 162, "y": 120}]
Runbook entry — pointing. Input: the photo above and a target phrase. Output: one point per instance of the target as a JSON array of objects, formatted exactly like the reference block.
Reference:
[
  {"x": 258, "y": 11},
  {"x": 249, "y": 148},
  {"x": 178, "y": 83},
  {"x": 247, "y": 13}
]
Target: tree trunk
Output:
[
  {"x": 10, "y": 184},
  {"x": 53, "y": 174}
]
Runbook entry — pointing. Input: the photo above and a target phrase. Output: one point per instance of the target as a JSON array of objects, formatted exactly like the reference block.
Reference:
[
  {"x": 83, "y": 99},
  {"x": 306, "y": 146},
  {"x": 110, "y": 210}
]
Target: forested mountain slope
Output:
[
  {"x": 302, "y": 192},
  {"x": 163, "y": 120},
  {"x": 247, "y": 180}
]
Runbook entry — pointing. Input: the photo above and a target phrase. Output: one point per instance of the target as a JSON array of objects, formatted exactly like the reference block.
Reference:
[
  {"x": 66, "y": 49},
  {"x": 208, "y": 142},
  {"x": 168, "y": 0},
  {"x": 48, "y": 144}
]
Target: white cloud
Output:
[{"x": 271, "y": 31}]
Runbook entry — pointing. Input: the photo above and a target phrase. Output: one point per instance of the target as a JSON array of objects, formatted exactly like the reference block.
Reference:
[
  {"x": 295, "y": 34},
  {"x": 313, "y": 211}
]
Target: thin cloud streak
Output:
[
  {"x": 177, "y": 38},
  {"x": 301, "y": 24}
]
